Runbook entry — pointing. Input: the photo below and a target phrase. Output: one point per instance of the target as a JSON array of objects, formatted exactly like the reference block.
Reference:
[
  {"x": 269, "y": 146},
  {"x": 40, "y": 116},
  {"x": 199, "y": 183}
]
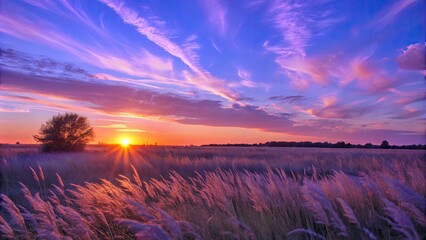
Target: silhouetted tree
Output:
[
  {"x": 385, "y": 144},
  {"x": 64, "y": 133},
  {"x": 368, "y": 145},
  {"x": 340, "y": 144},
  {"x": 18, "y": 143}
]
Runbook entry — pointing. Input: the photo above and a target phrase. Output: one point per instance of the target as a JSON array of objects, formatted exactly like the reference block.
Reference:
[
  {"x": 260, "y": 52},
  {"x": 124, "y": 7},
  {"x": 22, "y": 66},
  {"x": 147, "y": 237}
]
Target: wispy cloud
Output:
[
  {"x": 15, "y": 99},
  {"x": 408, "y": 97},
  {"x": 130, "y": 130},
  {"x": 122, "y": 100},
  {"x": 40, "y": 66},
  {"x": 288, "y": 18},
  {"x": 131, "y": 17},
  {"x": 119, "y": 127},
  {"x": 216, "y": 12},
  {"x": 136, "y": 63},
  {"x": 290, "y": 99},
  {"x": 385, "y": 17},
  {"x": 332, "y": 107},
  {"x": 9, "y": 109},
  {"x": 409, "y": 113},
  {"x": 304, "y": 70},
  {"x": 297, "y": 22},
  {"x": 246, "y": 79},
  {"x": 115, "y": 126},
  {"x": 45, "y": 66},
  {"x": 186, "y": 53},
  {"x": 337, "y": 69},
  {"x": 140, "y": 64}
]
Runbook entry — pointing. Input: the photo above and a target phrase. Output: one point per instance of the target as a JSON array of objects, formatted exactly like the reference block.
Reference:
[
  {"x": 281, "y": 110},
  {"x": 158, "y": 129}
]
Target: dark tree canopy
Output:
[
  {"x": 385, "y": 144},
  {"x": 67, "y": 132}
]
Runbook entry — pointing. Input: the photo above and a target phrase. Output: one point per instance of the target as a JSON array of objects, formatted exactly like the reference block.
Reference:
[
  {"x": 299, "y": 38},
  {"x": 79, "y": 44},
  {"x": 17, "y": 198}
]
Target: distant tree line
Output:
[{"x": 384, "y": 145}]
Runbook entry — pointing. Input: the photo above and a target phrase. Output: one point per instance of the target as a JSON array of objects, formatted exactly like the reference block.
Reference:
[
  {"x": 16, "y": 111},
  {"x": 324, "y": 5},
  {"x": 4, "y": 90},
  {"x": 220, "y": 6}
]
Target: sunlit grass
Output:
[{"x": 218, "y": 193}]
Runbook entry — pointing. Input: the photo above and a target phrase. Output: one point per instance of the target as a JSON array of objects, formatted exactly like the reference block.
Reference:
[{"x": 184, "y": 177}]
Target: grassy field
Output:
[{"x": 109, "y": 192}]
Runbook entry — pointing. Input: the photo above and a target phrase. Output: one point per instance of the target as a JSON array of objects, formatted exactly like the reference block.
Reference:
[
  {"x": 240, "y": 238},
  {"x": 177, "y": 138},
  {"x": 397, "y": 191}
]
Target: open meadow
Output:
[
  {"x": 157, "y": 192},
  {"x": 212, "y": 119}
]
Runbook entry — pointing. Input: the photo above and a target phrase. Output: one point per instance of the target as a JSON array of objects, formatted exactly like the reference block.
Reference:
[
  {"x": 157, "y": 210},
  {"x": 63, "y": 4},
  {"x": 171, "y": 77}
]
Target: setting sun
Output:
[{"x": 125, "y": 142}]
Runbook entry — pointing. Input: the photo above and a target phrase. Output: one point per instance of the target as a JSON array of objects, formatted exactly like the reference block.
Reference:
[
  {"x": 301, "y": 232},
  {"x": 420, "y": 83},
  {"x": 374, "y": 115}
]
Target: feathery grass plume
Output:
[
  {"x": 416, "y": 214},
  {"x": 135, "y": 176},
  {"x": 241, "y": 229},
  {"x": 62, "y": 194},
  {"x": 257, "y": 193},
  {"x": 348, "y": 212},
  {"x": 404, "y": 193},
  {"x": 59, "y": 190},
  {"x": 35, "y": 176},
  {"x": 223, "y": 193},
  {"x": 131, "y": 188},
  {"x": 401, "y": 222},
  {"x": 180, "y": 188},
  {"x": 45, "y": 214},
  {"x": 140, "y": 209},
  {"x": 167, "y": 223},
  {"x": 369, "y": 234},
  {"x": 306, "y": 231},
  {"x": 5, "y": 229},
  {"x": 41, "y": 173},
  {"x": 317, "y": 200},
  {"x": 144, "y": 231},
  {"x": 61, "y": 183},
  {"x": 16, "y": 220},
  {"x": 315, "y": 206},
  {"x": 189, "y": 230},
  {"x": 78, "y": 225},
  {"x": 314, "y": 173},
  {"x": 101, "y": 216},
  {"x": 54, "y": 198},
  {"x": 29, "y": 218}
]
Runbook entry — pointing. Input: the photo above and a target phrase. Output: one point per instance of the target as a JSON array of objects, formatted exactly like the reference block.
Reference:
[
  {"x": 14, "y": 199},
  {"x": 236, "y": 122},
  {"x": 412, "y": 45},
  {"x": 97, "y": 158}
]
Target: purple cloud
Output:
[
  {"x": 124, "y": 101},
  {"x": 216, "y": 13},
  {"x": 290, "y": 99},
  {"x": 114, "y": 99},
  {"x": 388, "y": 15},
  {"x": 186, "y": 52},
  {"x": 40, "y": 66},
  {"x": 413, "y": 57},
  {"x": 333, "y": 108}
]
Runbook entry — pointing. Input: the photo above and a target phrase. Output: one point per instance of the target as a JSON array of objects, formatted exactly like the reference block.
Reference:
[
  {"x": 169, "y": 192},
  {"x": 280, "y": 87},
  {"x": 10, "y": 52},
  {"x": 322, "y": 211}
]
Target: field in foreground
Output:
[{"x": 212, "y": 193}]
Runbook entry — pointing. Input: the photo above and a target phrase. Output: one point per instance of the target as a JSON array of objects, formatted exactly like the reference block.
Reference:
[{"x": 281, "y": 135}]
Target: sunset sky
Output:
[{"x": 216, "y": 71}]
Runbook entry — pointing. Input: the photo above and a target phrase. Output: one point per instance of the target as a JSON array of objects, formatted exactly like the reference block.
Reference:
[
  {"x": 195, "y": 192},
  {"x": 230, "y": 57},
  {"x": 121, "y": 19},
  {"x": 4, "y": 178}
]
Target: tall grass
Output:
[{"x": 210, "y": 193}]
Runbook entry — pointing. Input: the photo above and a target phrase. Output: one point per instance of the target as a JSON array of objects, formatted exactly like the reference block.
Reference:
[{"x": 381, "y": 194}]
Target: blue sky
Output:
[{"x": 182, "y": 72}]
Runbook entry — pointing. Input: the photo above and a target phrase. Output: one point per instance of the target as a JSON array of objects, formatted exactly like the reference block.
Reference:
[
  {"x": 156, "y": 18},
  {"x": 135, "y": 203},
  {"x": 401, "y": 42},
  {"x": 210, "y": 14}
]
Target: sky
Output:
[{"x": 216, "y": 71}]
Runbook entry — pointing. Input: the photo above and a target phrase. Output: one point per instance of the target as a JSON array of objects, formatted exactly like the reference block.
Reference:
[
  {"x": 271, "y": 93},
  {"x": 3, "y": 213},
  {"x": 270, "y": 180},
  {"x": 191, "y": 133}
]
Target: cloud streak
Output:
[
  {"x": 131, "y": 17},
  {"x": 216, "y": 13},
  {"x": 140, "y": 63},
  {"x": 388, "y": 15},
  {"x": 185, "y": 53},
  {"x": 126, "y": 101},
  {"x": 297, "y": 22}
]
